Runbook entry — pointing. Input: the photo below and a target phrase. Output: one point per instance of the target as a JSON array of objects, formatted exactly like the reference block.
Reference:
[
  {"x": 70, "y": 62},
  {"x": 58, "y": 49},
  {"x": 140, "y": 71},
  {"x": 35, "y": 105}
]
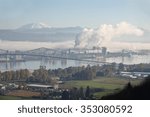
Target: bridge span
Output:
[{"x": 25, "y": 55}]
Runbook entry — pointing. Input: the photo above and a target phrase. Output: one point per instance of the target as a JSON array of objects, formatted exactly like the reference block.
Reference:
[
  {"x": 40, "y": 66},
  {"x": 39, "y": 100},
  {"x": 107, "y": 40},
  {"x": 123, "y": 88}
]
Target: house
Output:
[{"x": 2, "y": 89}]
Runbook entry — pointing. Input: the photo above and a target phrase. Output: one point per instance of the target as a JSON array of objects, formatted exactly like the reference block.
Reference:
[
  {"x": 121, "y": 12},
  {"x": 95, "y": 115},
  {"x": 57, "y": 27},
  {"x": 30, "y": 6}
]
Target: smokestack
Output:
[{"x": 104, "y": 51}]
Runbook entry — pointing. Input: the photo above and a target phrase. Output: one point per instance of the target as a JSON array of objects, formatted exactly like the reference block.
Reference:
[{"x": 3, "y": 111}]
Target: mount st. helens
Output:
[{"x": 39, "y": 32}]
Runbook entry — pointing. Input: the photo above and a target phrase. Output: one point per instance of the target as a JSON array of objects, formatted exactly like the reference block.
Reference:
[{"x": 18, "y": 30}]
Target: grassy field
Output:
[
  {"x": 19, "y": 95},
  {"x": 106, "y": 83},
  {"x": 110, "y": 85},
  {"x": 10, "y": 98},
  {"x": 23, "y": 93}
]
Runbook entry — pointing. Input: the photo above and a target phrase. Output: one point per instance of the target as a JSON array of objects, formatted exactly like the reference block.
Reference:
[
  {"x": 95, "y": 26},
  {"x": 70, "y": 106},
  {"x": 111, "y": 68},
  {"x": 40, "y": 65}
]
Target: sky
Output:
[
  {"x": 64, "y": 13},
  {"x": 102, "y": 20}
]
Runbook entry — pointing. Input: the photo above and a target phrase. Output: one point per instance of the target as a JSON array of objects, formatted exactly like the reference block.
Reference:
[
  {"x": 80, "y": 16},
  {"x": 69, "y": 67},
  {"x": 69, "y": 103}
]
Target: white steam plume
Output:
[{"x": 103, "y": 35}]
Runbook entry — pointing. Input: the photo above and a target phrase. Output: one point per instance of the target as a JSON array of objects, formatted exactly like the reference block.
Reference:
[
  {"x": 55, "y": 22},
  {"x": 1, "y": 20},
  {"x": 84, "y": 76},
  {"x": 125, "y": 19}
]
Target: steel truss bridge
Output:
[{"x": 51, "y": 53}]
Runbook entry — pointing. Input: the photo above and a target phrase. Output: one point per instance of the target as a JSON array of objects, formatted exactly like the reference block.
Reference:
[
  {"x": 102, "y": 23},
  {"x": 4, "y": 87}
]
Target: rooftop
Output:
[{"x": 39, "y": 85}]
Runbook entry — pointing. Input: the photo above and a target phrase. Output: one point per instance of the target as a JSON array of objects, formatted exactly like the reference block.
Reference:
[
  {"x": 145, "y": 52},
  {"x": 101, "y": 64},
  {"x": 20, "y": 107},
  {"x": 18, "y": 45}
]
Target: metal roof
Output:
[{"x": 38, "y": 85}]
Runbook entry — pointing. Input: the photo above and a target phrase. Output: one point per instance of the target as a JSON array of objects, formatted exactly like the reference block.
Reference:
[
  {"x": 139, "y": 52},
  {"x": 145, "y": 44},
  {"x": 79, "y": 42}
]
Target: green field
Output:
[
  {"x": 10, "y": 98},
  {"x": 110, "y": 85},
  {"x": 6, "y": 97}
]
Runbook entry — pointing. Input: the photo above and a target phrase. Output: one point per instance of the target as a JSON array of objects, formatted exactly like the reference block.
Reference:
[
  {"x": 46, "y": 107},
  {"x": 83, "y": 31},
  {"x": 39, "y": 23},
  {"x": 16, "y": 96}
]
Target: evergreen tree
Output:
[
  {"x": 65, "y": 95},
  {"x": 87, "y": 93},
  {"x": 81, "y": 93}
]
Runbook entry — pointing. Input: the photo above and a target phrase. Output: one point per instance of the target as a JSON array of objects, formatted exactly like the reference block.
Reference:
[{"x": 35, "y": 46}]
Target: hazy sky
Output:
[{"x": 63, "y": 13}]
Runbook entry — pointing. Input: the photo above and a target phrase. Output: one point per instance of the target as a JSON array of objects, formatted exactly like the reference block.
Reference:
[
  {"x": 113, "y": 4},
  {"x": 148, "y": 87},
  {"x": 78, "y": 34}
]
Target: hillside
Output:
[{"x": 140, "y": 92}]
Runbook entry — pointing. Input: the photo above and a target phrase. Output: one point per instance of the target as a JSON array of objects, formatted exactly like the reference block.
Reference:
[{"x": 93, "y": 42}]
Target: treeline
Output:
[
  {"x": 139, "y": 68},
  {"x": 14, "y": 75},
  {"x": 84, "y": 73},
  {"x": 43, "y": 75},
  {"x": 70, "y": 73},
  {"x": 76, "y": 73}
]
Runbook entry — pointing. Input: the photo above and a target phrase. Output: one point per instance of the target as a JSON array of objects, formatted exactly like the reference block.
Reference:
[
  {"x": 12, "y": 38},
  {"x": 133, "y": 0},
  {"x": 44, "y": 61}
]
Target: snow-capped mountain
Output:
[
  {"x": 32, "y": 26},
  {"x": 39, "y": 32}
]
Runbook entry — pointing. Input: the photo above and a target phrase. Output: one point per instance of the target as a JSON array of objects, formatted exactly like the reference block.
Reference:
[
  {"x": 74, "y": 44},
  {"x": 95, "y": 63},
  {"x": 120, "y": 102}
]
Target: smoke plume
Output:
[{"x": 104, "y": 34}]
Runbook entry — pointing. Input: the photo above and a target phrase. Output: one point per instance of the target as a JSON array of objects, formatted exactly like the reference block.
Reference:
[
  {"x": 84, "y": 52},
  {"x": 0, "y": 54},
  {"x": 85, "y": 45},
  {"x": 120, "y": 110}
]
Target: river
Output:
[{"x": 54, "y": 64}]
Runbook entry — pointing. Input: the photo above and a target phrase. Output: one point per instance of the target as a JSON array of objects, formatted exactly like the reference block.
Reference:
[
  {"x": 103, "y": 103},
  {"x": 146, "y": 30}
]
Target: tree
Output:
[
  {"x": 74, "y": 94},
  {"x": 0, "y": 76},
  {"x": 7, "y": 76},
  {"x": 13, "y": 75},
  {"x": 27, "y": 73},
  {"x": 81, "y": 93},
  {"x": 121, "y": 66},
  {"x": 17, "y": 74},
  {"x": 41, "y": 75},
  {"x": 87, "y": 93},
  {"x": 65, "y": 95},
  {"x": 22, "y": 74}
]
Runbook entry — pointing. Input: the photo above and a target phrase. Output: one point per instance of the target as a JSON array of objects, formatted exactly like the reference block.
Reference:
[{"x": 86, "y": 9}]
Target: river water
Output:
[{"x": 54, "y": 64}]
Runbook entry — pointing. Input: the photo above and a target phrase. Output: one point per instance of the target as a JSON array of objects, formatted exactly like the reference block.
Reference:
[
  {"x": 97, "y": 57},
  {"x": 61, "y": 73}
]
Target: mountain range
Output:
[{"x": 39, "y": 32}]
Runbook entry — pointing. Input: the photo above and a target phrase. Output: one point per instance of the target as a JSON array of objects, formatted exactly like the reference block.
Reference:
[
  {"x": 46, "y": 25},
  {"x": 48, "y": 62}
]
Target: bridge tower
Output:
[
  {"x": 7, "y": 59},
  {"x": 122, "y": 55}
]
